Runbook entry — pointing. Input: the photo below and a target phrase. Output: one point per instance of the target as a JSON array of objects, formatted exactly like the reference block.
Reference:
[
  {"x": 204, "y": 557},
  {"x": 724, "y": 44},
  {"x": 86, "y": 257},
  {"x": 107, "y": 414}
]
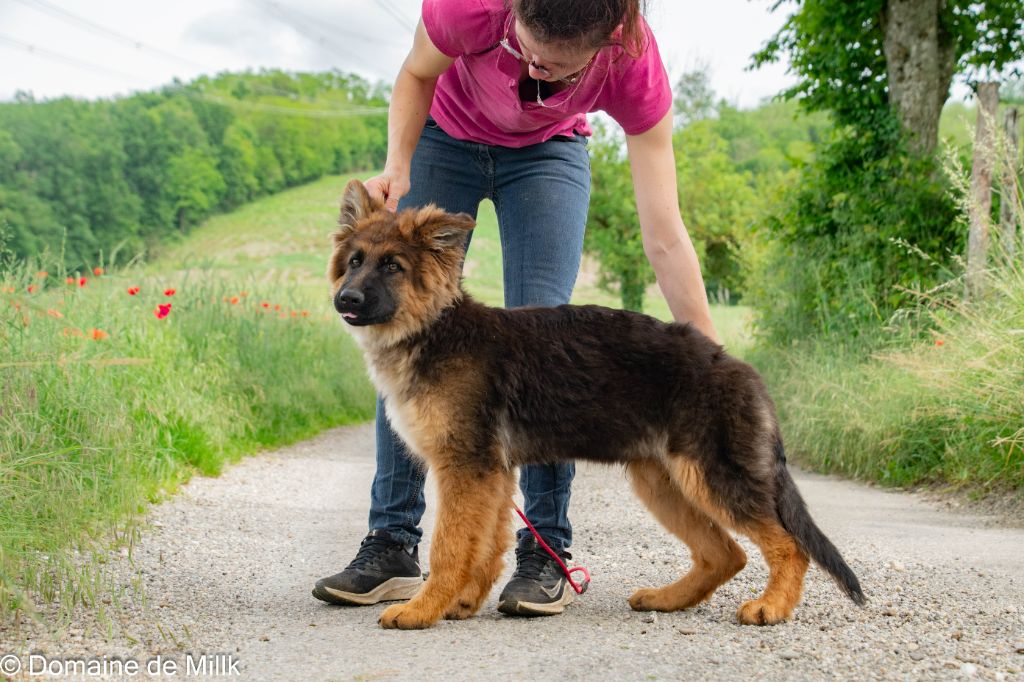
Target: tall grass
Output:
[
  {"x": 104, "y": 407},
  {"x": 941, "y": 398},
  {"x": 943, "y": 409}
]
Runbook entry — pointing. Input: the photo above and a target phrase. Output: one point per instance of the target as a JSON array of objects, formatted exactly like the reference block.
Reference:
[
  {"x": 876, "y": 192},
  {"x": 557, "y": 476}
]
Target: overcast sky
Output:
[{"x": 101, "y": 48}]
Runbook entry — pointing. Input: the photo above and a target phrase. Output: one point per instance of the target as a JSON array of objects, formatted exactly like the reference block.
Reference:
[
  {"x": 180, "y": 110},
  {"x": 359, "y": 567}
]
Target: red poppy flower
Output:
[
  {"x": 42, "y": 274},
  {"x": 939, "y": 342},
  {"x": 81, "y": 282},
  {"x": 99, "y": 335},
  {"x": 265, "y": 304},
  {"x": 32, "y": 288},
  {"x": 70, "y": 280},
  {"x": 97, "y": 271},
  {"x": 162, "y": 311},
  {"x": 305, "y": 313},
  {"x": 234, "y": 300},
  {"x": 169, "y": 292},
  {"x": 132, "y": 291}
]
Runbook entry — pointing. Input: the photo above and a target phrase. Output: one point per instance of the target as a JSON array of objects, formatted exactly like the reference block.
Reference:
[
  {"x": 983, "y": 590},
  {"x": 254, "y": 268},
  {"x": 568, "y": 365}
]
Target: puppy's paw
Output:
[
  {"x": 648, "y": 599},
  {"x": 405, "y": 617},
  {"x": 460, "y": 611},
  {"x": 762, "y": 612}
]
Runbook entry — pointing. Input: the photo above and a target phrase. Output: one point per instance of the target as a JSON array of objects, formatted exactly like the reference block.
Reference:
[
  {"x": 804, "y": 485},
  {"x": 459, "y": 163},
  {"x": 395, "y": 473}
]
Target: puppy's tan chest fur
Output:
[{"x": 426, "y": 415}]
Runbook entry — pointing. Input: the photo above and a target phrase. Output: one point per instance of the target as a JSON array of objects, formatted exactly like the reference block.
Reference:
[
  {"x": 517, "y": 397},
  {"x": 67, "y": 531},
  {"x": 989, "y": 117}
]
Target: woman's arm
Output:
[
  {"x": 666, "y": 242},
  {"x": 410, "y": 104}
]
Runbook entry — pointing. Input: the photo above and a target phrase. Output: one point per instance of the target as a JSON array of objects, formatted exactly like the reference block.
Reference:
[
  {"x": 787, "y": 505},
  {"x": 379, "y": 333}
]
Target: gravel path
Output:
[{"x": 227, "y": 566}]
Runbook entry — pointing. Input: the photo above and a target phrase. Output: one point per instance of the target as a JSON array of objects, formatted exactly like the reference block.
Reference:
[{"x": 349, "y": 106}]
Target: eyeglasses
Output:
[
  {"x": 570, "y": 80},
  {"x": 573, "y": 79}
]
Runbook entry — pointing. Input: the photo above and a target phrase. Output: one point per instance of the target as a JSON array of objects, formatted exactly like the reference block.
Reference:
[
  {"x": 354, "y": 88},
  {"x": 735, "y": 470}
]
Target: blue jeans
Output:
[{"x": 540, "y": 194}]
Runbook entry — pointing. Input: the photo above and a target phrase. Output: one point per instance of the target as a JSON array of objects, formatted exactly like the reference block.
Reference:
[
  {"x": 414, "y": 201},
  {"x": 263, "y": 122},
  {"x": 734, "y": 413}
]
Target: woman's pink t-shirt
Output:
[{"x": 477, "y": 98}]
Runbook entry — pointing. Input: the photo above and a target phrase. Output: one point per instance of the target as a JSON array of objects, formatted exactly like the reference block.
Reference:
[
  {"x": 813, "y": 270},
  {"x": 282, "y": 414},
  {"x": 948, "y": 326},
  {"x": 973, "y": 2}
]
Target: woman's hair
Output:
[{"x": 584, "y": 24}]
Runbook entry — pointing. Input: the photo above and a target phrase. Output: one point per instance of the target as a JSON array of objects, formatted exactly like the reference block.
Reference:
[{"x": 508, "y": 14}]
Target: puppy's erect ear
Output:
[
  {"x": 441, "y": 231},
  {"x": 356, "y": 204}
]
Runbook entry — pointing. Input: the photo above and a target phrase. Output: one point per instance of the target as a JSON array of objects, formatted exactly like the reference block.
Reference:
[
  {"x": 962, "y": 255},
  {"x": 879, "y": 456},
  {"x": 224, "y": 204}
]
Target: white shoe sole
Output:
[
  {"x": 525, "y": 608},
  {"x": 395, "y": 589}
]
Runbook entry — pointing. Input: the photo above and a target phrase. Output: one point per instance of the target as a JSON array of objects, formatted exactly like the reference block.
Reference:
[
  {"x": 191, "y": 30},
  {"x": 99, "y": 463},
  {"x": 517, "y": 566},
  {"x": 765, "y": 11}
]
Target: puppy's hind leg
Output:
[
  {"x": 490, "y": 555},
  {"x": 716, "y": 556},
  {"x": 787, "y": 564}
]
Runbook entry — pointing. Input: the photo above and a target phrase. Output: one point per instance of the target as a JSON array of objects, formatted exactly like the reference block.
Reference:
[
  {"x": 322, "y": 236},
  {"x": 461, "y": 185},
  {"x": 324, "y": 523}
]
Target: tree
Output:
[
  {"x": 863, "y": 60},
  {"x": 694, "y": 97},
  {"x": 613, "y": 230},
  {"x": 717, "y": 202},
  {"x": 194, "y": 185}
]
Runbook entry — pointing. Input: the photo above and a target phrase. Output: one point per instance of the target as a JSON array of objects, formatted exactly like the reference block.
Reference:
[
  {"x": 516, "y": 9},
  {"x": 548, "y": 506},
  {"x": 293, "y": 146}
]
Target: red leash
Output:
[{"x": 579, "y": 588}]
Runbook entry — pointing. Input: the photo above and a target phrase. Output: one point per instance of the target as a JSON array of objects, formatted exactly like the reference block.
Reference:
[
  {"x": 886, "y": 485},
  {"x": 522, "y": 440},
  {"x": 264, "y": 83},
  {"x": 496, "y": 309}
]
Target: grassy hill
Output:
[{"x": 286, "y": 239}]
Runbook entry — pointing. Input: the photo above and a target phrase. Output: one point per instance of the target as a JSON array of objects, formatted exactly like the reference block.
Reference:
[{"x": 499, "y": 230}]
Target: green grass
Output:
[
  {"x": 93, "y": 430},
  {"x": 942, "y": 409}
]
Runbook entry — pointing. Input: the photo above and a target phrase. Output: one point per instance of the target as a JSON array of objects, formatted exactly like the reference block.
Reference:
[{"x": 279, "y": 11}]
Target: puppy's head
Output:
[{"x": 395, "y": 272}]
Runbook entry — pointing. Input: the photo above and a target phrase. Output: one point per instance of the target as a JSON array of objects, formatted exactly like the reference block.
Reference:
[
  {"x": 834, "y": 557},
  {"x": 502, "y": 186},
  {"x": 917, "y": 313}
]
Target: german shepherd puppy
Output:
[{"x": 476, "y": 391}]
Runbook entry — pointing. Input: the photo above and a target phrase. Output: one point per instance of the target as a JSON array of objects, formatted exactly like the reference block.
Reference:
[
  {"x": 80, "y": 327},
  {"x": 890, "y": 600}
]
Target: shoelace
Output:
[
  {"x": 531, "y": 562},
  {"x": 370, "y": 550}
]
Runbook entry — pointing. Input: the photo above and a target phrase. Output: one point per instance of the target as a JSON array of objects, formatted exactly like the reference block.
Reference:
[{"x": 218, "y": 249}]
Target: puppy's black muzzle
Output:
[
  {"x": 361, "y": 307},
  {"x": 349, "y": 298}
]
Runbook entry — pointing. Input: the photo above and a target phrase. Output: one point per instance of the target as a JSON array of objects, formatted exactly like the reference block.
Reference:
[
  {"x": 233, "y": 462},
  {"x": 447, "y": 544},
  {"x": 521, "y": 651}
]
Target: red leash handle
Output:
[{"x": 580, "y": 588}]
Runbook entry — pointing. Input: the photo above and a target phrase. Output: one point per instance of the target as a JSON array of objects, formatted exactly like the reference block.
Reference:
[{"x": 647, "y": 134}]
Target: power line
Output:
[
  {"x": 92, "y": 27},
  {"x": 397, "y": 15},
  {"x": 74, "y": 61},
  {"x": 373, "y": 39},
  {"x": 313, "y": 34}
]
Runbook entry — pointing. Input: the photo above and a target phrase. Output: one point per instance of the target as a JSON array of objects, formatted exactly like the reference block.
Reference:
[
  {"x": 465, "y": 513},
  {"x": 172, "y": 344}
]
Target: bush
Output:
[{"x": 835, "y": 266}]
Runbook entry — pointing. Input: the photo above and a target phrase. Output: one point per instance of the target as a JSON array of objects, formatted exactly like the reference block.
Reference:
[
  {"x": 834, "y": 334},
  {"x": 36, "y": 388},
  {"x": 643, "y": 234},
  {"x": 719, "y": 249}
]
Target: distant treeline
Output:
[{"x": 83, "y": 179}]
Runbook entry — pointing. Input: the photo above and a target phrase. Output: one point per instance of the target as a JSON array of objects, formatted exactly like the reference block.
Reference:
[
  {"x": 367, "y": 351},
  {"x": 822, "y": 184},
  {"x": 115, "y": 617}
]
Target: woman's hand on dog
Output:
[{"x": 388, "y": 187}]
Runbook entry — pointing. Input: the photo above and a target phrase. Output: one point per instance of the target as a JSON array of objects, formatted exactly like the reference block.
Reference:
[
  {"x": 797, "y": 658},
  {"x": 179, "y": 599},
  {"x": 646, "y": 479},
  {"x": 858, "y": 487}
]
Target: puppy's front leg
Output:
[{"x": 466, "y": 495}]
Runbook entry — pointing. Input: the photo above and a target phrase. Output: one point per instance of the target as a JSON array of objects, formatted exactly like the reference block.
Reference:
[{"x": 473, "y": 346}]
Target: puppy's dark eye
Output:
[
  {"x": 355, "y": 261},
  {"x": 393, "y": 267}
]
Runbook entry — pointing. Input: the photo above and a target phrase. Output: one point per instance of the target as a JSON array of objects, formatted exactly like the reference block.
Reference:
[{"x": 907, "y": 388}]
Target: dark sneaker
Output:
[
  {"x": 538, "y": 587},
  {"x": 383, "y": 570}
]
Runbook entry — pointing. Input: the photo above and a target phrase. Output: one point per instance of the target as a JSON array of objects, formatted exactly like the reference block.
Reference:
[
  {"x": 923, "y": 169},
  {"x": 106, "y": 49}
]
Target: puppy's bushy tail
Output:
[{"x": 797, "y": 520}]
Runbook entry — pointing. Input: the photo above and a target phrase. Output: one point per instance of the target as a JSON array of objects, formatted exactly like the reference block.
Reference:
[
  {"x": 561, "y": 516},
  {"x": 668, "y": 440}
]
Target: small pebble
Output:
[
  {"x": 788, "y": 655},
  {"x": 651, "y": 618},
  {"x": 687, "y": 631}
]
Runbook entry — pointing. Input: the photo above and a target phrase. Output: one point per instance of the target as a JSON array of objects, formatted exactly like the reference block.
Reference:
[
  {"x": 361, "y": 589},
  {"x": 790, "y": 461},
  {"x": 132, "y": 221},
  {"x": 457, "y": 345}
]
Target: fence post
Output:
[
  {"x": 1010, "y": 189},
  {"x": 987, "y": 97}
]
